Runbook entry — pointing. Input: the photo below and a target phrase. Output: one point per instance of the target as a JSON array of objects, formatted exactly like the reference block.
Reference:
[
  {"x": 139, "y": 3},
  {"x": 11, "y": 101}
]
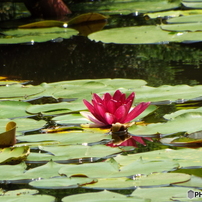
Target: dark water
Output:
[{"x": 80, "y": 58}]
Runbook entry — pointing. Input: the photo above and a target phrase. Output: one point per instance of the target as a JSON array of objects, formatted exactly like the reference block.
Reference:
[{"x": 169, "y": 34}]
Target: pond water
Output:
[{"x": 79, "y": 57}]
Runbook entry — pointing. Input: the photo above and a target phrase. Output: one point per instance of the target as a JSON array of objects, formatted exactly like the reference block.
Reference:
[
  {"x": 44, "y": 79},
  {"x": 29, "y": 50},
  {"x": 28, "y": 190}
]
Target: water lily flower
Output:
[{"x": 110, "y": 109}]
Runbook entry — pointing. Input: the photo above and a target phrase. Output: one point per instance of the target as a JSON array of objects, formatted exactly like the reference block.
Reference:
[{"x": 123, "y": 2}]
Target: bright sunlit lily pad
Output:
[
  {"x": 160, "y": 194},
  {"x": 62, "y": 182},
  {"x": 101, "y": 197},
  {"x": 157, "y": 179}
]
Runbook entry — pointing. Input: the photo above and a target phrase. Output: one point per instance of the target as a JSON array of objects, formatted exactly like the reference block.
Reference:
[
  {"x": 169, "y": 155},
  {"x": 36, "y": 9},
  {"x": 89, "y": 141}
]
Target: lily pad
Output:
[
  {"x": 36, "y": 35},
  {"x": 13, "y": 109},
  {"x": 101, "y": 197},
  {"x": 62, "y": 153},
  {"x": 156, "y": 179},
  {"x": 126, "y": 7},
  {"x": 62, "y": 182},
  {"x": 16, "y": 154},
  {"x": 160, "y": 194}
]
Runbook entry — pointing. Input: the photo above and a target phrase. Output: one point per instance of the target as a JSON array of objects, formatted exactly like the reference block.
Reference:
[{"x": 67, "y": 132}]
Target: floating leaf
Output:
[
  {"x": 72, "y": 137},
  {"x": 184, "y": 157},
  {"x": 156, "y": 179},
  {"x": 49, "y": 109},
  {"x": 42, "y": 24},
  {"x": 101, "y": 196},
  {"x": 15, "y": 154},
  {"x": 87, "y": 17},
  {"x": 125, "y": 7},
  {"x": 13, "y": 109},
  {"x": 64, "y": 153},
  {"x": 36, "y": 35},
  {"x": 62, "y": 182},
  {"x": 160, "y": 194},
  {"x": 186, "y": 19},
  {"x": 25, "y": 195},
  {"x": 112, "y": 168}
]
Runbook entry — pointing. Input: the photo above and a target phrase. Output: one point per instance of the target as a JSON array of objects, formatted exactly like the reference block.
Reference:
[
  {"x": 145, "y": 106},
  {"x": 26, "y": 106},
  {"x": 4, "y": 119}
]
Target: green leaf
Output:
[
  {"x": 101, "y": 197},
  {"x": 36, "y": 35},
  {"x": 61, "y": 153},
  {"x": 160, "y": 194},
  {"x": 156, "y": 179},
  {"x": 61, "y": 182},
  {"x": 15, "y": 154},
  {"x": 13, "y": 109}
]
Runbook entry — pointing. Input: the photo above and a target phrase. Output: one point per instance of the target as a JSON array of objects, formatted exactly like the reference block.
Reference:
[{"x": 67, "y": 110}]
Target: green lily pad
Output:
[
  {"x": 13, "y": 109},
  {"x": 10, "y": 172},
  {"x": 16, "y": 154},
  {"x": 101, "y": 197},
  {"x": 66, "y": 138},
  {"x": 157, "y": 179},
  {"x": 112, "y": 168},
  {"x": 49, "y": 109},
  {"x": 194, "y": 182},
  {"x": 185, "y": 157},
  {"x": 160, "y": 194},
  {"x": 20, "y": 91},
  {"x": 19, "y": 197},
  {"x": 62, "y": 182},
  {"x": 187, "y": 122},
  {"x": 186, "y": 19},
  {"x": 186, "y": 27},
  {"x": 126, "y": 7},
  {"x": 25, "y": 125},
  {"x": 61, "y": 153},
  {"x": 36, "y": 35},
  {"x": 132, "y": 35}
]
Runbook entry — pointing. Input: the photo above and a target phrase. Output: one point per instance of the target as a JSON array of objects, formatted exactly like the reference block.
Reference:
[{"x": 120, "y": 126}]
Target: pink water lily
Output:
[{"x": 110, "y": 109}]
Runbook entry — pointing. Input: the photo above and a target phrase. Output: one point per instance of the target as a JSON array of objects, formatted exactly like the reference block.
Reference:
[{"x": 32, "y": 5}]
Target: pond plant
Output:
[
  {"x": 56, "y": 150},
  {"x": 50, "y": 152}
]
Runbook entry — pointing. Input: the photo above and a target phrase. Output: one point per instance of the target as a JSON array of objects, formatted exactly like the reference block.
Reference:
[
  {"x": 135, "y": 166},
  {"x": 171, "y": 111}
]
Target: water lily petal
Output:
[
  {"x": 89, "y": 106},
  {"x": 131, "y": 97},
  {"x": 90, "y": 117},
  {"x": 97, "y": 98},
  {"x": 110, "y": 118},
  {"x": 111, "y": 106},
  {"x": 136, "y": 111},
  {"x": 99, "y": 111},
  {"x": 117, "y": 95},
  {"x": 120, "y": 114}
]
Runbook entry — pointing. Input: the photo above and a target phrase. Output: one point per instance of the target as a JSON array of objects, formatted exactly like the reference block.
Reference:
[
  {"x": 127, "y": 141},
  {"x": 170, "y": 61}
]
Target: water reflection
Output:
[{"x": 80, "y": 58}]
